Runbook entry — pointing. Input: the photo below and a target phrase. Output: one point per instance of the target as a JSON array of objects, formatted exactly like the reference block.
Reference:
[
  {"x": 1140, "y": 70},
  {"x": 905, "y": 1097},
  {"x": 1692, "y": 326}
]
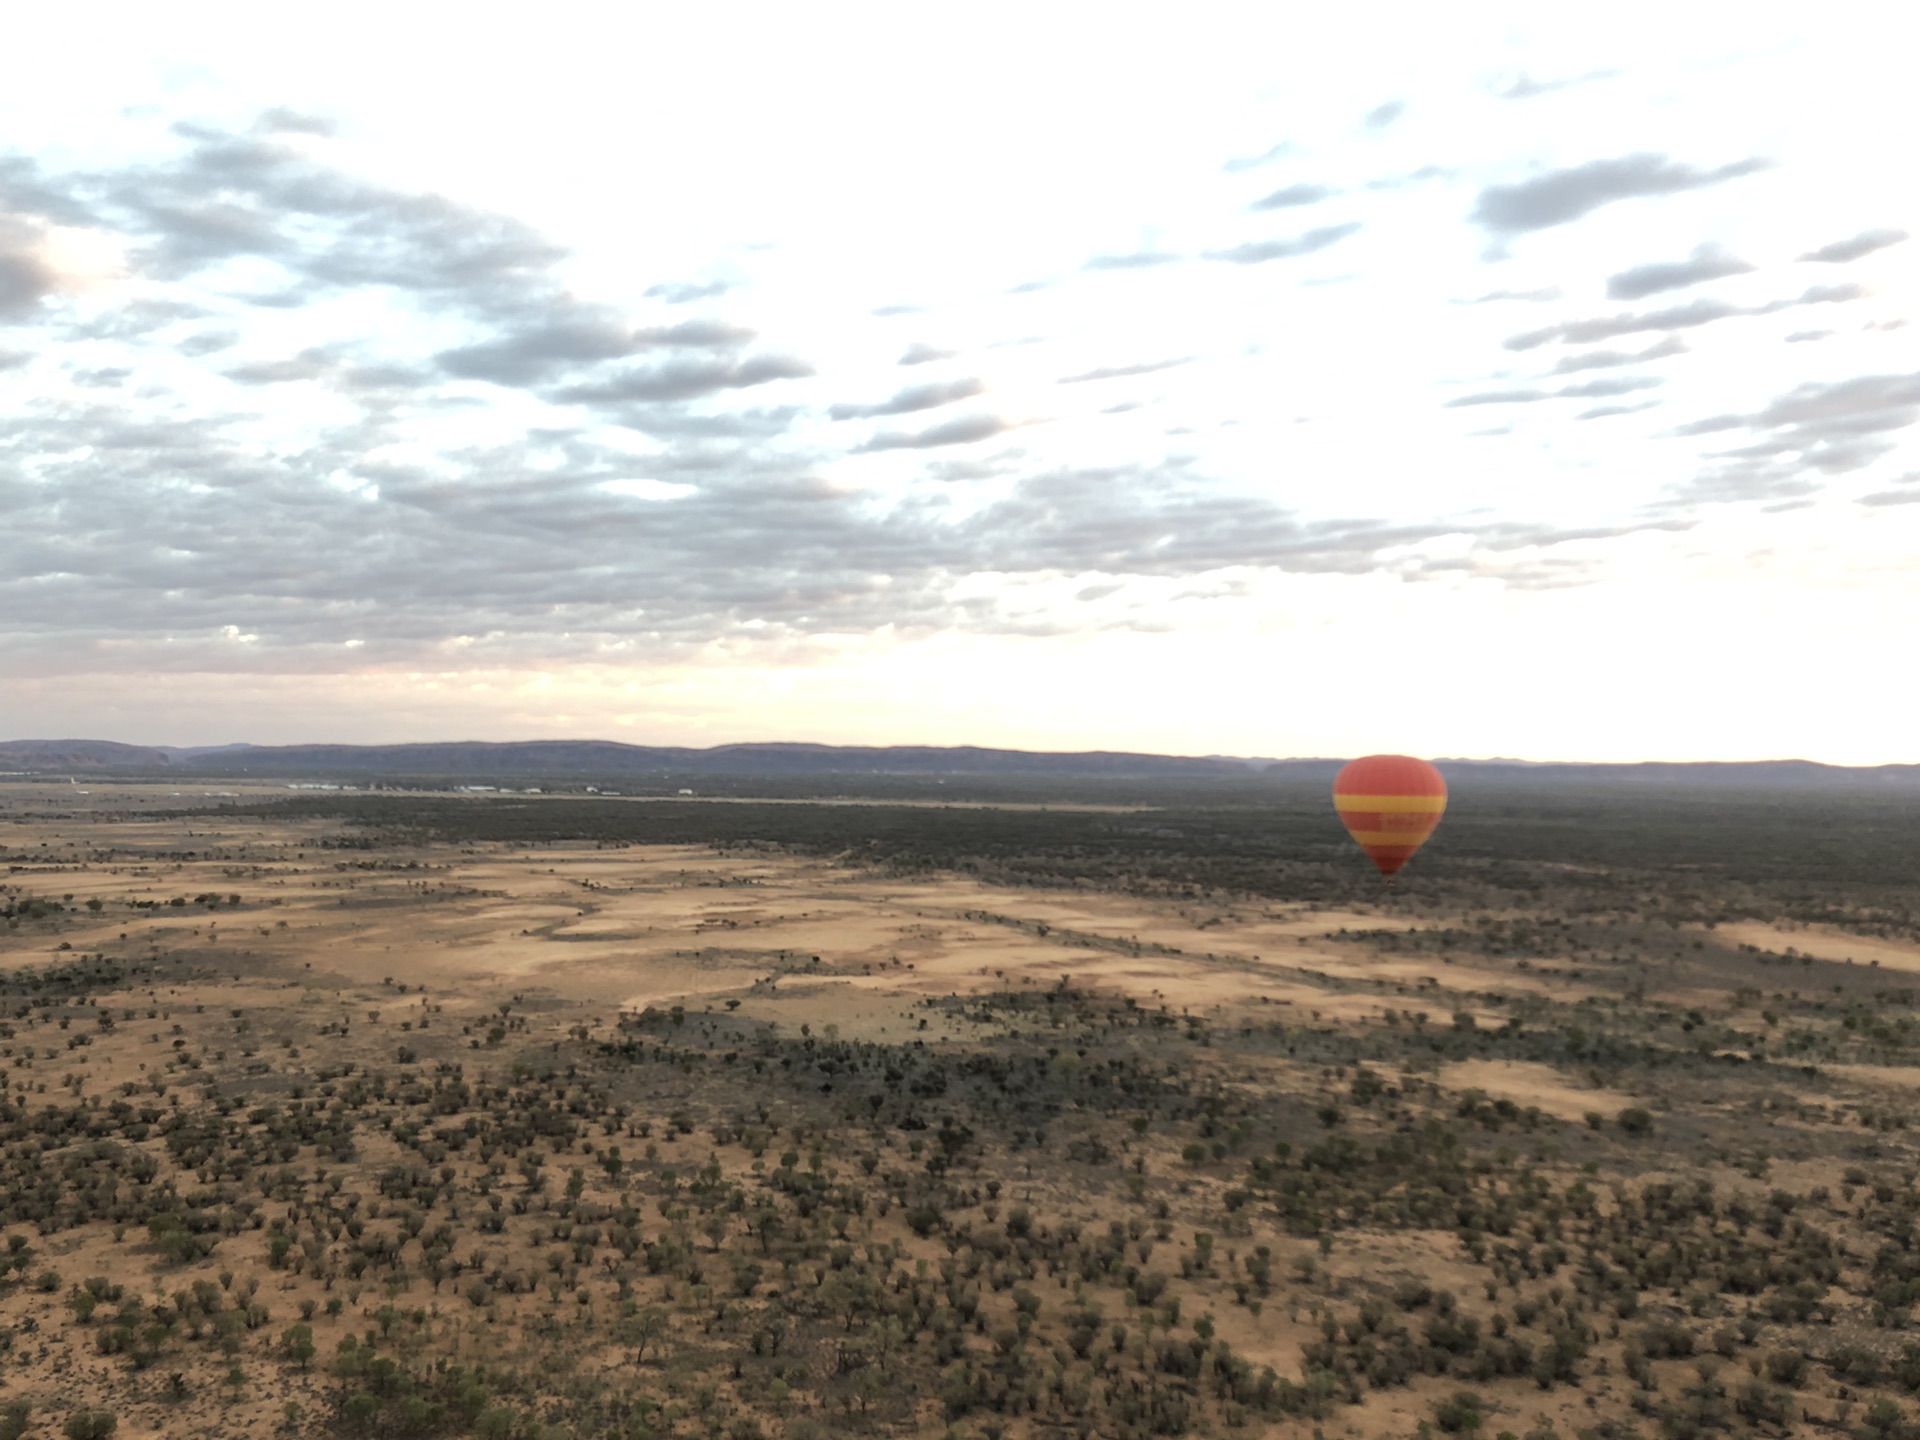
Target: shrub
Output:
[
  {"x": 1459, "y": 1413},
  {"x": 924, "y": 1220},
  {"x": 1787, "y": 1367}
]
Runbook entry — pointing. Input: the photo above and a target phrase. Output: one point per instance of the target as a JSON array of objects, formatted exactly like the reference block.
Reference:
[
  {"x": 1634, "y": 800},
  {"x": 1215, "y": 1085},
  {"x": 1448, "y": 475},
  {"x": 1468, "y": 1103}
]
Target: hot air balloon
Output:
[{"x": 1389, "y": 804}]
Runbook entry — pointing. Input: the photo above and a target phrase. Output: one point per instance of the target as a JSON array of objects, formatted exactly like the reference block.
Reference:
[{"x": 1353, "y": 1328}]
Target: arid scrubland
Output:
[{"x": 553, "y": 1117}]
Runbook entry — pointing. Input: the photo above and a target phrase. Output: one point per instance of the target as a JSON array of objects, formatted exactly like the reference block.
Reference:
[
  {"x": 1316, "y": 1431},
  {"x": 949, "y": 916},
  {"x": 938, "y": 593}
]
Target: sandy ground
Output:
[
  {"x": 666, "y": 925},
  {"x": 1825, "y": 943},
  {"x": 1897, "y": 1077},
  {"x": 1526, "y": 1084},
  {"x": 787, "y": 939}
]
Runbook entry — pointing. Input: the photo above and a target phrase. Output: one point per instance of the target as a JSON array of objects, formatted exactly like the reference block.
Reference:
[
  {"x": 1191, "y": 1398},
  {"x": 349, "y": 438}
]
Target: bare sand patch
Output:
[
  {"x": 1527, "y": 1083},
  {"x": 1898, "y": 1077},
  {"x": 1825, "y": 943},
  {"x": 681, "y": 924}
]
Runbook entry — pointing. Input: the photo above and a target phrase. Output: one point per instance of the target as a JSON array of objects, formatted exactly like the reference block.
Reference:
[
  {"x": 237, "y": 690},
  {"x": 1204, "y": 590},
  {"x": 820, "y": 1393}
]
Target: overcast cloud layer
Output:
[{"x": 273, "y": 402}]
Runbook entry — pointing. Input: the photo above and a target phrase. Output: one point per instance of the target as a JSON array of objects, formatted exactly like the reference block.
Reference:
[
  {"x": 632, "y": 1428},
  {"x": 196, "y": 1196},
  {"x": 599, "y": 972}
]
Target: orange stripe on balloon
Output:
[{"x": 1346, "y": 801}]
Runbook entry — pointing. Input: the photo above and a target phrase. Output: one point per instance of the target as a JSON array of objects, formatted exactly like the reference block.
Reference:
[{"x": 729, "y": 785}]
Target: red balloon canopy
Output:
[{"x": 1390, "y": 805}]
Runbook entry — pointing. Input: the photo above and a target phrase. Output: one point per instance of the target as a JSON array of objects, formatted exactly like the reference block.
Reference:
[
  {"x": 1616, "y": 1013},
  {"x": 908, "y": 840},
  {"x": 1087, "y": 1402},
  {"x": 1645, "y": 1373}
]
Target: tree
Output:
[{"x": 646, "y": 1330}]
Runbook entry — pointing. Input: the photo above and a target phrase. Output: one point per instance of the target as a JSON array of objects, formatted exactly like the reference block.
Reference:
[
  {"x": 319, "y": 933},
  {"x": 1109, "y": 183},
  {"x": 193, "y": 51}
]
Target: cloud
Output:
[
  {"x": 1382, "y": 116},
  {"x": 1151, "y": 521},
  {"x": 531, "y": 550},
  {"x": 1410, "y": 178},
  {"x": 1138, "y": 260},
  {"x": 1520, "y": 396},
  {"x": 685, "y": 292},
  {"x": 1811, "y": 433},
  {"x": 960, "y": 430},
  {"x": 1693, "y": 314},
  {"x": 1254, "y": 162},
  {"x": 1607, "y": 327},
  {"x": 1288, "y": 197},
  {"x": 1856, "y": 246},
  {"x": 1121, "y": 372},
  {"x": 308, "y": 366},
  {"x": 1608, "y": 359},
  {"x": 1866, "y": 404},
  {"x": 1585, "y": 390},
  {"x": 911, "y": 399},
  {"x": 918, "y": 354},
  {"x": 1611, "y": 385},
  {"x": 1706, "y": 263},
  {"x": 26, "y": 190},
  {"x": 1548, "y": 292},
  {"x": 1561, "y": 196},
  {"x": 1890, "y": 497},
  {"x": 26, "y": 277},
  {"x": 1521, "y": 86},
  {"x": 208, "y": 342},
  {"x": 281, "y": 120},
  {"x": 686, "y": 378},
  {"x": 1257, "y": 252},
  {"x": 1602, "y": 412},
  {"x": 577, "y": 336},
  {"x": 233, "y": 196},
  {"x": 636, "y": 487}
]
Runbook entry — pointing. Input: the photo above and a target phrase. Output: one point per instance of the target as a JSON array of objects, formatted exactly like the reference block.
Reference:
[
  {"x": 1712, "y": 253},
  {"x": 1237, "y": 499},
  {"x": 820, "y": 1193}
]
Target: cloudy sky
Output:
[{"x": 1196, "y": 379}]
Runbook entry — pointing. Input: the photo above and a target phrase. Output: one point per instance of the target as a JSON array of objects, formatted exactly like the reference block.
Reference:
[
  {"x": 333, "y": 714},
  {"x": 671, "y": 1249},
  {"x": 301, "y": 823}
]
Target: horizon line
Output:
[{"x": 919, "y": 745}]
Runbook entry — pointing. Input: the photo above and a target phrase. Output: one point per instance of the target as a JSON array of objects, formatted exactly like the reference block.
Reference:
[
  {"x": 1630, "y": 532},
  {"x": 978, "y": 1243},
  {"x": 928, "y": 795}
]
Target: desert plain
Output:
[{"x": 565, "y": 1117}]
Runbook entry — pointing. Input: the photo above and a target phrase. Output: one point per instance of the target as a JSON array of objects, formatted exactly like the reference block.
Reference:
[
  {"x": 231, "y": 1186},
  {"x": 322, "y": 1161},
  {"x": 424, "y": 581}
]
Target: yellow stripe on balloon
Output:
[{"x": 1431, "y": 803}]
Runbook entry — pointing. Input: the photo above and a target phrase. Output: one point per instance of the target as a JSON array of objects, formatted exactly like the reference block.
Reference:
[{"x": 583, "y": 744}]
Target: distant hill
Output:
[
  {"x": 178, "y": 753},
  {"x": 41, "y": 755},
  {"x": 607, "y": 757},
  {"x": 596, "y": 759}
]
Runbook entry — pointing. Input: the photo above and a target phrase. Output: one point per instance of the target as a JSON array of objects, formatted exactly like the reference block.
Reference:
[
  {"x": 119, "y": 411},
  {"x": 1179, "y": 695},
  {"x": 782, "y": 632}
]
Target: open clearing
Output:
[{"x": 1826, "y": 943}]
